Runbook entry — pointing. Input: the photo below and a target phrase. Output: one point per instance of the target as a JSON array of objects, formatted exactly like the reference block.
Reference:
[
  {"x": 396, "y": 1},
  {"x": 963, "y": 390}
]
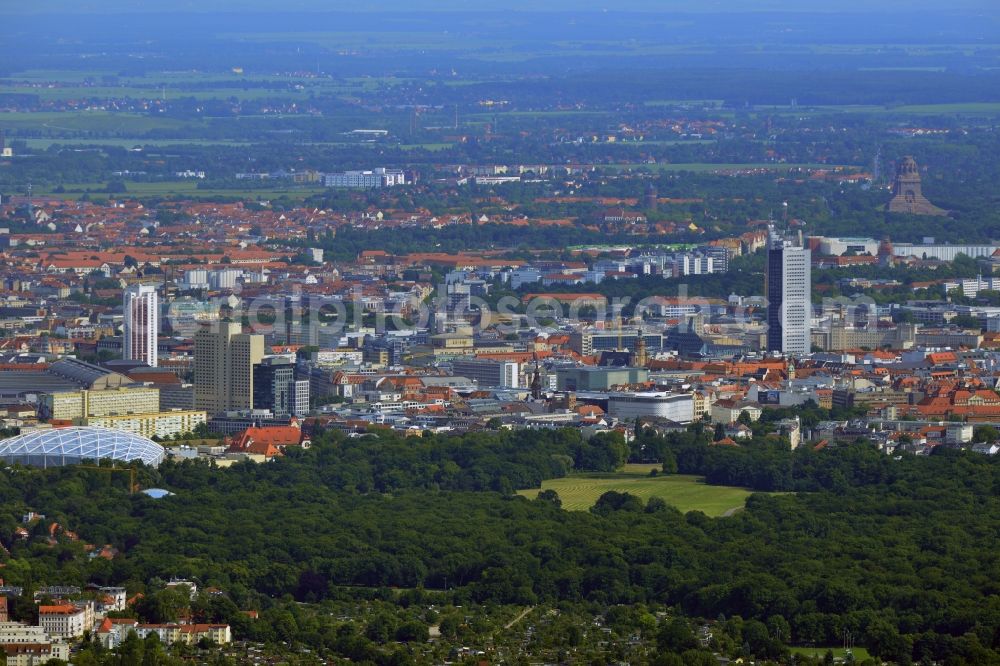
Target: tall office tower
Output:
[
  {"x": 276, "y": 389},
  {"x": 142, "y": 324},
  {"x": 223, "y": 368},
  {"x": 456, "y": 310},
  {"x": 787, "y": 287}
]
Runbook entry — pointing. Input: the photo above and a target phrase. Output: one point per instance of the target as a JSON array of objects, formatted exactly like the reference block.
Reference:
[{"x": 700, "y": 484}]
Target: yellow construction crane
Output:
[{"x": 133, "y": 487}]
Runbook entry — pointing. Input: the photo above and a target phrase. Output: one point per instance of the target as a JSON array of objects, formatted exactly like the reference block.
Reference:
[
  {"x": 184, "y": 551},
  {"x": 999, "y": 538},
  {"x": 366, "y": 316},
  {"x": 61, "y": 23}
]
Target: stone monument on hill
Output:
[{"x": 906, "y": 194}]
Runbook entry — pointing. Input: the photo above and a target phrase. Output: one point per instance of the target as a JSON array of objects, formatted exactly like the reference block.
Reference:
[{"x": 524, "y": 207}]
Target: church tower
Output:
[
  {"x": 536, "y": 381},
  {"x": 650, "y": 198},
  {"x": 640, "y": 356}
]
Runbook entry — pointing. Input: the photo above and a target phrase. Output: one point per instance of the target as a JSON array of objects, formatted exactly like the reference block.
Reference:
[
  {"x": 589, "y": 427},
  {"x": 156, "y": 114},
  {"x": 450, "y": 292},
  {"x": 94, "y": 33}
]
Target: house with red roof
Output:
[
  {"x": 112, "y": 631},
  {"x": 267, "y": 442}
]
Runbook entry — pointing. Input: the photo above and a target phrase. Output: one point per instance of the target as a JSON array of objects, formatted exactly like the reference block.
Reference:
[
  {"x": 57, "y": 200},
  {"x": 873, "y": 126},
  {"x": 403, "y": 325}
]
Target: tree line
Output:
[{"x": 899, "y": 552}]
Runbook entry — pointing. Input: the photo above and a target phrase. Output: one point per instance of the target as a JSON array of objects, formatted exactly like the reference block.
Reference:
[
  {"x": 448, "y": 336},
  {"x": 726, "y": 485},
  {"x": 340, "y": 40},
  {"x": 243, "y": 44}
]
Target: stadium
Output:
[{"x": 71, "y": 446}]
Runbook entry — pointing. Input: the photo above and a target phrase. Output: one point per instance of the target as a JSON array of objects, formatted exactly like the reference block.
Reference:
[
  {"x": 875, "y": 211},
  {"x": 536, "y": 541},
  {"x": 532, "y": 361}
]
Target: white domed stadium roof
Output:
[{"x": 70, "y": 446}]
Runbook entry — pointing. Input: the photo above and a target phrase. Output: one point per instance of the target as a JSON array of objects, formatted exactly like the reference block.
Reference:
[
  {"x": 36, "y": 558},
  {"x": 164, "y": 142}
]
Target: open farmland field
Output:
[
  {"x": 44, "y": 144},
  {"x": 182, "y": 188},
  {"x": 101, "y": 122},
  {"x": 284, "y": 92},
  {"x": 948, "y": 109}
]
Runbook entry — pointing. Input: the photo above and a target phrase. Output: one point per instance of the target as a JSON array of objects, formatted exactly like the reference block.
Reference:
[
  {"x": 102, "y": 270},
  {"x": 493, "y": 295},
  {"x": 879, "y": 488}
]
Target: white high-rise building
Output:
[
  {"x": 788, "y": 286},
  {"x": 142, "y": 324}
]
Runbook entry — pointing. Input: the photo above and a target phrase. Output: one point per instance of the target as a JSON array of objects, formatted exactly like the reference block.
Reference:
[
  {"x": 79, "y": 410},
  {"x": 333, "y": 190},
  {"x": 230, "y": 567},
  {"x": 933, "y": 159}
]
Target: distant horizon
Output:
[{"x": 42, "y": 7}]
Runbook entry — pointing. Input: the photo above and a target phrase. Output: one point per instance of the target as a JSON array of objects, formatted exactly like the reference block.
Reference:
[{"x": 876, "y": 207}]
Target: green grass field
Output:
[
  {"x": 707, "y": 167},
  {"x": 674, "y": 142},
  {"x": 976, "y": 108},
  {"x": 567, "y": 113},
  {"x": 860, "y": 654},
  {"x": 44, "y": 144},
  {"x": 149, "y": 92},
  {"x": 686, "y": 493},
  {"x": 183, "y": 188},
  {"x": 959, "y": 108},
  {"x": 127, "y": 124},
  {"x": 433, "y": 147},
  {"x": 685, "y": 102}
]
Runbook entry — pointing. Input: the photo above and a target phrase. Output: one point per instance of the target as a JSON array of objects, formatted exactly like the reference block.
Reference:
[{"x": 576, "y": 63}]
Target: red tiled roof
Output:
[
  {"x": 267, "y": 441},
  {"x": 62, "y": 609}
]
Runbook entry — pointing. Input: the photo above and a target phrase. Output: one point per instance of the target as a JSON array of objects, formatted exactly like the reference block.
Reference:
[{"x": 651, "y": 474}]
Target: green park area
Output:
[{"x": 579, "y": 492}]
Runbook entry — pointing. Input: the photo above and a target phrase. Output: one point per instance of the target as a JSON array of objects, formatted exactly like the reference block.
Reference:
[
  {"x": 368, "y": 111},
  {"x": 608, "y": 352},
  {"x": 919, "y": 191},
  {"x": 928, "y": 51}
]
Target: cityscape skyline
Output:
[{"x": 429, "y": 333}]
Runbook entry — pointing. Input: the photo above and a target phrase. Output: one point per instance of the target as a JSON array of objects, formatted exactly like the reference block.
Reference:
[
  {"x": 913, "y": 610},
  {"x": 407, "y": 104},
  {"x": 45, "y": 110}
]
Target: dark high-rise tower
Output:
[
  {"x": 276, "y": 389},
  {"x": 787, "y": 286}
]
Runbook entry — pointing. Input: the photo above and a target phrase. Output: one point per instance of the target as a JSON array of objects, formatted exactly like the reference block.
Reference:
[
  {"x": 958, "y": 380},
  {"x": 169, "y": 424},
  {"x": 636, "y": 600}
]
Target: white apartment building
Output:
[
  {"x": 66, "y": 620},
  {"x": 16, "y": 633},
  {"x": 372, "y": 179},
  {"x": 160, "y": 424},
  {"x": 141, "y": 324}
]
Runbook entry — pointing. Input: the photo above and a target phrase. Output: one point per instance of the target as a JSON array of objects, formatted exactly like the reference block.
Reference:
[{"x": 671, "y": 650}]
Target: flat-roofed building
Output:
[
  {"x": 366, "y": 180},
  {"x": 71, "y": 405},
  {"x": 835, "y": 247},
  {"x": 141, "y": 324},
  {"x": 787, "y": 285},
  {"x": 157, "y": 424},
  {"x": 598, "y": 379},
  {"x": 589, "y": 343},
  {"x": 942, "y": 252},
  {"x": 677, "y": 407},
  {"x": 18, "y": 633},
  {"x": 224, "y": 363},
  {"x": 488, "y": 372},
  {"x": 275, "y": 387}
]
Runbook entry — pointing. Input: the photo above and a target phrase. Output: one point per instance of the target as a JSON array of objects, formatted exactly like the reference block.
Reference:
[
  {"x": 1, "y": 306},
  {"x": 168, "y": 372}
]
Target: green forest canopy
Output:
[{"x": 899, "y": 551}]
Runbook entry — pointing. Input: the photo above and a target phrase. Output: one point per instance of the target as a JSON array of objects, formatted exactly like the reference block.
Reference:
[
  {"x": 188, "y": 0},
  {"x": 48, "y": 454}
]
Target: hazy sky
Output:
[{"x": 988, "y": 7}]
